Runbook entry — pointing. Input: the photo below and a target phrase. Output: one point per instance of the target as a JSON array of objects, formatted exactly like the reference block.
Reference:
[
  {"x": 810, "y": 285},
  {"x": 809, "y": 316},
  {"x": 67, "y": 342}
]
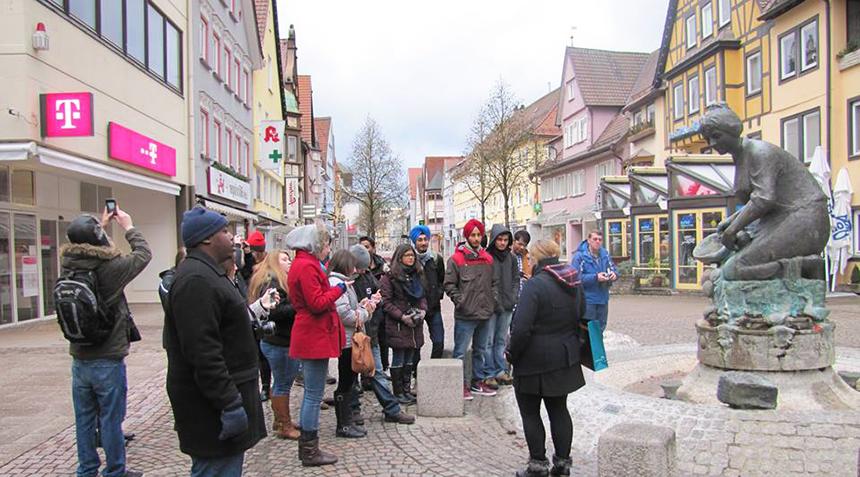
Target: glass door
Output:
[
  {"x": 50, "y": 263},
  {"x": 26, "y": 267},
  {"x": 7, "y": 314},
  {"x": 691, "y": 227}
]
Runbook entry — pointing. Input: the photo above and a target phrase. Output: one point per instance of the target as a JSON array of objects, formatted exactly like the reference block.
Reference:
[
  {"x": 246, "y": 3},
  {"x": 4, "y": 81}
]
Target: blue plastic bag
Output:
[{"x": 598, "y": 353}]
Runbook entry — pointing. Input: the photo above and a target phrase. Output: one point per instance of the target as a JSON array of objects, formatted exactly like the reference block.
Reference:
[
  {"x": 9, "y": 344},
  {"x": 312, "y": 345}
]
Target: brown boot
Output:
[
  {"x": 281, "y": 408},
  {"x": 310, "y": 453},
  {"x": 277, "y": 424}
]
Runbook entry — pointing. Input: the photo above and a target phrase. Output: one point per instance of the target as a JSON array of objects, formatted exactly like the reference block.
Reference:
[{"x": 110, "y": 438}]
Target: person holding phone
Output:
[{"x": 597, "y": 270}]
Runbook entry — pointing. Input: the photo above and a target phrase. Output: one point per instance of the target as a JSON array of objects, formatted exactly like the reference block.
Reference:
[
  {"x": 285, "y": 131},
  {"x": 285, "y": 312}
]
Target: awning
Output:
[
  {"x": 71, "y": 162},
  {"x": 228, "y": 210}
]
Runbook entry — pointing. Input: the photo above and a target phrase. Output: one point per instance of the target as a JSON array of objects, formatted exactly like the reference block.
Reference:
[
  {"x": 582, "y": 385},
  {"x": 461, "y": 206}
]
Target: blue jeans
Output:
[
  {"x": 284, "y": 368},
  {"x": 382, "y": 387},
  {"x": 401, "y": 356},
  {"x": 437, "y": 334},
  {"x": 599, "y": 312},
  {"x": 230, "y": 466},
  {"x": 478, "y": 331},
  {"x": 500, "y": 328},
  {"x": 314, "y": 371},
  {"x": 99, "y": 390}
]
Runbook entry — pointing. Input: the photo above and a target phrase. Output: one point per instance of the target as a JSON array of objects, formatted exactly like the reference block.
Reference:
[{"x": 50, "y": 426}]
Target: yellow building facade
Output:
[{"x": 268, "y": 104}]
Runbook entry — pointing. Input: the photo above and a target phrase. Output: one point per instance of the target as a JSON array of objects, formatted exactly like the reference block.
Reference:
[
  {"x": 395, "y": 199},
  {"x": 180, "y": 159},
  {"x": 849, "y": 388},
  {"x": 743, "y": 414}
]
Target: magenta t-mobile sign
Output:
[
  {"x": 135, "y": 148},
  {"x": 66, "y": 114}
]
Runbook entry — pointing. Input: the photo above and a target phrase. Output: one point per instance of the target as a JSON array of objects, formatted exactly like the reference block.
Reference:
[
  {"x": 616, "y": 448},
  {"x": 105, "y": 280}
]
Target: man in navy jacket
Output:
[{"x": 598, "y": 272}]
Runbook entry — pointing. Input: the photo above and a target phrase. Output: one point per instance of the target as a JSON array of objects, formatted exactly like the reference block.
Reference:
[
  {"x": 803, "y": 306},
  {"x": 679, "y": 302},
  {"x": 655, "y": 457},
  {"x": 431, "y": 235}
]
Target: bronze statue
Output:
[{"x": 783, "y": 225}]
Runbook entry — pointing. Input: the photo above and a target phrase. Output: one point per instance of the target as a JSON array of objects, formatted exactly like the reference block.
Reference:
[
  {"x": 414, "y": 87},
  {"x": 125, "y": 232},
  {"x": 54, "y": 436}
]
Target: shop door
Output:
[
  {"x": 50, "y": 262},
  {"x": 7, "y": 314},
  {"x": 691, "y": 227}
]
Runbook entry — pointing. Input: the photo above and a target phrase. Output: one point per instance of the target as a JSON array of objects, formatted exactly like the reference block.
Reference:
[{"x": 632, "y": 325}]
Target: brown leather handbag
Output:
[{"x": 362, "y": 352}]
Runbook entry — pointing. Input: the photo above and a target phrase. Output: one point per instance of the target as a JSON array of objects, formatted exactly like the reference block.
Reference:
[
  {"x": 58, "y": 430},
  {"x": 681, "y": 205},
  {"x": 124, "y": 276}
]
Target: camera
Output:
[{"x": 262, "y": 328}]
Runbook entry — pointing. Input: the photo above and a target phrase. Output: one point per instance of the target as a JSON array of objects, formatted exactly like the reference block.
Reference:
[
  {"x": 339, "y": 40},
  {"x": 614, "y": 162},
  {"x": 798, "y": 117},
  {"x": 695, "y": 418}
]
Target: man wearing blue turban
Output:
[{"x": 434, "y": 271}]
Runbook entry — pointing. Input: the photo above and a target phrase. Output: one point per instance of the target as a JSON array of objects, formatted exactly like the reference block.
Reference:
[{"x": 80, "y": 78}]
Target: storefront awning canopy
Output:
[{"x": 227, "y": 210}]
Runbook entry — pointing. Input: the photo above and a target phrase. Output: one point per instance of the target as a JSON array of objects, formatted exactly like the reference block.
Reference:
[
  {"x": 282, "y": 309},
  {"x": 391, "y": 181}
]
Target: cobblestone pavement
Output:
[{"x": 37, "y": 432}]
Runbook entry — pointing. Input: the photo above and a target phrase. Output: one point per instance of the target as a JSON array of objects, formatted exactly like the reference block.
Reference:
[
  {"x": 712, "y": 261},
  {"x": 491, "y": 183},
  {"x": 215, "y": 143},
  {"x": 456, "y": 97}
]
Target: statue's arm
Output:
[{"x": 764, "y": 179}]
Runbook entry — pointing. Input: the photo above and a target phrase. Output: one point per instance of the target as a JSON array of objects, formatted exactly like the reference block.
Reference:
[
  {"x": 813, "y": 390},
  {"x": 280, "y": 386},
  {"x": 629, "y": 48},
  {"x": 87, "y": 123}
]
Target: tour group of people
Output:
[{"x": 237, "y": 311}]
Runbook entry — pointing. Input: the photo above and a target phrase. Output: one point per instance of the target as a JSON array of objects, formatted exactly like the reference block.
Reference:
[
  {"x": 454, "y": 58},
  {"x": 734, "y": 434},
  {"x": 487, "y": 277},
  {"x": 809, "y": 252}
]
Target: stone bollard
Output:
[
  {"x": 636, "y": 449},
  {"x": 440, "y": 388}
]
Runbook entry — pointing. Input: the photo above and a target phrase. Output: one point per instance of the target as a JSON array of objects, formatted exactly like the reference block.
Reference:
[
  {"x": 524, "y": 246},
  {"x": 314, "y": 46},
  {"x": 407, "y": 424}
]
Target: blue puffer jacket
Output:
[{"x": 596, "y": 293}]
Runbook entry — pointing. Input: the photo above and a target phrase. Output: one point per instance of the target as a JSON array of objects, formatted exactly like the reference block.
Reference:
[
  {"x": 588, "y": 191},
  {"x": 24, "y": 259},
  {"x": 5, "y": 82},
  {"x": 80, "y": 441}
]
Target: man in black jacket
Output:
[
  {"x": 507, "y": 275},
  {"x": 99, "y": 382},
  {"x": 211, "y": 353},
  {"x": 434, "y": 272},
  {"x": 378, "y": 267}
]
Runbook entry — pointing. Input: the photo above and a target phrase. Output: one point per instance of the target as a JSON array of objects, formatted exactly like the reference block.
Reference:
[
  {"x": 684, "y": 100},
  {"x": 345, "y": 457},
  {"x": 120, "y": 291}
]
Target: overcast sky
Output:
[{"x": 423, "y": 69}]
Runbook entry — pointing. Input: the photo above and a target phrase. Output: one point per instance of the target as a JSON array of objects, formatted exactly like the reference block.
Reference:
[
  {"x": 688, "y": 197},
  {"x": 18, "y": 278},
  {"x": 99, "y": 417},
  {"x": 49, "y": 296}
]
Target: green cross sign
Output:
[{"x": 275, "y": 156}]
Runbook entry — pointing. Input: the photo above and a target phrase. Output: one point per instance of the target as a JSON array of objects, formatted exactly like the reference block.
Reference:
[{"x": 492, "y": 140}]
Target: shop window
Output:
[
  {"x": 4, "y": 184},
  {"x": 686, "y": 187},
  {"x": 801, "y": 134},
  {"x": 618, "y": 238},
  {"x": 707, "y": 20},
  {"x": 111, "y": 22},
  {"x": 725, "y": 12},
  {"x": 691, "y": 31},
  {"x": 753, "y": 73},
  {"x": 856, "y": 235},
  {"x": 26, "y": 267},
  {"x": 23, "y": 187},
  {"x": 6, "y": 313},
  {"x": 678, "y": 101},
  {"x": 653, "y": 240},
  {"x": 710, "y": 86},
  {"x": 93, "y": 197},
  {"x": 853, "y": 125},
  {"x": 50, "y": 262},
  {"x": 691, "y": 228},
  {"x": 693, "y": 94}
]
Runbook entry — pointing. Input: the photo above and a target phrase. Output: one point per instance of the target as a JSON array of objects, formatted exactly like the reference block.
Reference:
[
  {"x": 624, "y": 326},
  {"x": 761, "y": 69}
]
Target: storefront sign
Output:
[
  {"x": 271, "y": 145},
  {"x": 135, "y": 148},
  {"x": 30, "y": 276},
  {"x": 292, "y": 210},
  {"x": 66, "y": 114},
  {"x": 224, "y": 185}
]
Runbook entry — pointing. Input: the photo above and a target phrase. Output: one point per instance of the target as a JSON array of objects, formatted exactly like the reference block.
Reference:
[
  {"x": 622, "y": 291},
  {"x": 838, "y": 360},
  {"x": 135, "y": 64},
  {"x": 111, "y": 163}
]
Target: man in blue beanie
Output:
[
  {"x": 434, "y": 271},
  {"x": 212, "y": 366}
]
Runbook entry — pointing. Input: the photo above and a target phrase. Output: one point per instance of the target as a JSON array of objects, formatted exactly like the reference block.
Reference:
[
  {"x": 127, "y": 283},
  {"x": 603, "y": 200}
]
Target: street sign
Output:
[
  {"x": 272, "y": 145},
  {"x": 309, "y": 211}
]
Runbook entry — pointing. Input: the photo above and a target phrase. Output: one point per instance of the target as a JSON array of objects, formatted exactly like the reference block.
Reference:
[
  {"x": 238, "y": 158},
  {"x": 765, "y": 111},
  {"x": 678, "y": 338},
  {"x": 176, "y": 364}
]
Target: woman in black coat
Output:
[
  {"x": 405, "y": 304},
  {"x": 544, "y": 352}
]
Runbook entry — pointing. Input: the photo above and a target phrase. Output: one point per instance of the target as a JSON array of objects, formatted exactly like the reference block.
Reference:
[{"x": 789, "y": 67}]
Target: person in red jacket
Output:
[{"x": 318, "y": 333}]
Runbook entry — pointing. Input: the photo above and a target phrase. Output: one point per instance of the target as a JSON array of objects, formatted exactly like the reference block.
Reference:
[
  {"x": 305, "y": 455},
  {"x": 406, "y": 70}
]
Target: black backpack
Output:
[{"x": 79, "y": 313}]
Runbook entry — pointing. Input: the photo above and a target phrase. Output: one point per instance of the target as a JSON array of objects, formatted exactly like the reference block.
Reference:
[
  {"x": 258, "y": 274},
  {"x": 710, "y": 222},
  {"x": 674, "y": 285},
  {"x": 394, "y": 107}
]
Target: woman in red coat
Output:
[{"x": 318, "y": 333}]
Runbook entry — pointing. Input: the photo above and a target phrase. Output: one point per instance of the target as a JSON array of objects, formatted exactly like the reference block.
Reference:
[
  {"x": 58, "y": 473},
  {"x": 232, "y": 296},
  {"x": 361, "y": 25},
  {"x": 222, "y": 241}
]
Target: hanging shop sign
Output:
[
  {"x": 224, "y": 185},
  {"x": 134, "y": 148},
  {"x": 272, "y": 145},
  {"x": 291, "y": 211},
  {"x": 66, "y": 114}
]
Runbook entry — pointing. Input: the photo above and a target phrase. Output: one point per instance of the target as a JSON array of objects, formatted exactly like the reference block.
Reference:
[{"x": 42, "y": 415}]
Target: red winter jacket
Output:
[{"x": 317, "y": 332}]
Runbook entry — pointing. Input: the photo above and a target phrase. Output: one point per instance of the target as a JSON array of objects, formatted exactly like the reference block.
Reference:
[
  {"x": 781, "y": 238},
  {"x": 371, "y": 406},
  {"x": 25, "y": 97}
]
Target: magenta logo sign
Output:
[
  {"x": 135, "y": 148},
  {"x": 66, "y": 114}
]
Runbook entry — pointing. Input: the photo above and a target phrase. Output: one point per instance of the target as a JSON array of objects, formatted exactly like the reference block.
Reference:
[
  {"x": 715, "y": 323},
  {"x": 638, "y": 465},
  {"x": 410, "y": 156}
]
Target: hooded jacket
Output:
[
  {"x": 588, "y": 266},
  {"x": 469, "y": 282},
  {"x": 545, "y": 326},
  {"x": 114, "y": 271},
  {"x": 506, "y": 272}
]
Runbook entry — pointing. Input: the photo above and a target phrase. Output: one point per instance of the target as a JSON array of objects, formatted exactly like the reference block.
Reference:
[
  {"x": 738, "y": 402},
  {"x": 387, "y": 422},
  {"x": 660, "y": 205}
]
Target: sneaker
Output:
[
  {"x": 481, "y": 389},
  {"x": 467, "y": 395},
  {"x": 492, "y": 384},
  {"x": 505, "y": 379}
]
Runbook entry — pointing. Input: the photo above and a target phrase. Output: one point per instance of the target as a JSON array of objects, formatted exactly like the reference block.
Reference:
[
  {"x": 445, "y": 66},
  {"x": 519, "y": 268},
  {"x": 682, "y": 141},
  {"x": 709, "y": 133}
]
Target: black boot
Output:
[
  {"x": 535, "y": 468},
  {"x": 343, "y": 415},
  {"x": 560, "y": 466},
  {"x": 407, "y": 381},
  {"x": 310, "y": 453},
  {"x": 397, "y": 387}
]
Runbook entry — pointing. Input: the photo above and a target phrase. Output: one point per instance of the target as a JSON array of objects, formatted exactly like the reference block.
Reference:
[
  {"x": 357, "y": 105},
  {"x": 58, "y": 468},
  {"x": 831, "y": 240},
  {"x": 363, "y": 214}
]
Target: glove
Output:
[
  {"x": 408, "y": 319},
  {"x": 420, "y": 314},
  {"x": 234, "y": 420}
]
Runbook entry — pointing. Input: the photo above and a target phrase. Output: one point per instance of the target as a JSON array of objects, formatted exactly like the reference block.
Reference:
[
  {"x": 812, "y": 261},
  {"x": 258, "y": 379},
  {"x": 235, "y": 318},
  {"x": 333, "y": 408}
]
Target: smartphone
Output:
[{"x": 110, "y": 205}]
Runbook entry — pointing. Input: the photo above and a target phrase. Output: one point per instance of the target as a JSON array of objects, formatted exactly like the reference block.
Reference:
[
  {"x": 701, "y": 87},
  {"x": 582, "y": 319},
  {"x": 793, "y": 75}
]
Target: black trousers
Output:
[
  {"x": 265, "y": 369},
  {"x": 560, "y": 424},
  {"x": 345, "y": 375}
]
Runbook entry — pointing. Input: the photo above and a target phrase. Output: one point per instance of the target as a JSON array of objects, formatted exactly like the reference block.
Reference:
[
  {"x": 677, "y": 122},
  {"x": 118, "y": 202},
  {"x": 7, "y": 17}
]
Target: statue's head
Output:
[{"x": 722, "y": 128}]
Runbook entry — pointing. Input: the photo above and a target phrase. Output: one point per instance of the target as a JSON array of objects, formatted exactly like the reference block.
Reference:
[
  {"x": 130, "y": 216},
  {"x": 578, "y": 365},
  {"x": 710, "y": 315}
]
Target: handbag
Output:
[
  {"x": 592, "y": 354},
  {"x": 362, "y": 352}
]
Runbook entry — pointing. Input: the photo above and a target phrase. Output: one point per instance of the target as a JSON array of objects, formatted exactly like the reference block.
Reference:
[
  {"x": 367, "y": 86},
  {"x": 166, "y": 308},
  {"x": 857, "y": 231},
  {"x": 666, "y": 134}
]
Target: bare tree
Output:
[
  {"x": 378, "y": 179},
  {"x": 476, "y": 170},
  {"x": 508, "y": 163}
]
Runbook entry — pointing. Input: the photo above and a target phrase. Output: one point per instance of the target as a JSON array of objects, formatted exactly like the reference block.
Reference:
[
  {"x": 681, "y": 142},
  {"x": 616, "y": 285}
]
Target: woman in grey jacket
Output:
[{"x": 352, "y": 314}]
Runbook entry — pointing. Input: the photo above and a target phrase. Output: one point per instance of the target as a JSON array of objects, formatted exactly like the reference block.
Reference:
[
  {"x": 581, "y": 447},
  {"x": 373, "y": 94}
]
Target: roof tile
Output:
[{"x": 605, "y": 78}]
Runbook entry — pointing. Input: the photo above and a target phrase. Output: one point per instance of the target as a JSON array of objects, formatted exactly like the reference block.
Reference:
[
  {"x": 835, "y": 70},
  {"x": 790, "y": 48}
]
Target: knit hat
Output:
[
  {"x": 87, "y": 229},
  {"x": 198, "y": 224},
  {"x": 470, "y": 225},
  {"x": 362, "y": 256},
  {"x": 257, "y": 242},
  {"x": 417, "y": 231}
]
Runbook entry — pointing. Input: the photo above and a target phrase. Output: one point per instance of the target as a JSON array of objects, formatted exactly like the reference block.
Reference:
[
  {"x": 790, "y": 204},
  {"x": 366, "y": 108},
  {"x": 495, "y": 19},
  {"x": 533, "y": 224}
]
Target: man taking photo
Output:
[{"x": 597, "y": 271}]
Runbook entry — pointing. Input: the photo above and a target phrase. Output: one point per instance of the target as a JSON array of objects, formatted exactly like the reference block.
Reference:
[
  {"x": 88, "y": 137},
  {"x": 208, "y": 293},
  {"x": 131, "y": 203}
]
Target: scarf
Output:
[
  {"x": 412, "y": 284},
  {"x": 425, "y": 257}
]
